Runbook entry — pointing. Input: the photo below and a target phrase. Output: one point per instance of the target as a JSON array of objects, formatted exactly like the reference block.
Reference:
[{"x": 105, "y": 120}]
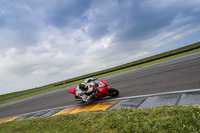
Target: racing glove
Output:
[{"x": 88, "y": 100}]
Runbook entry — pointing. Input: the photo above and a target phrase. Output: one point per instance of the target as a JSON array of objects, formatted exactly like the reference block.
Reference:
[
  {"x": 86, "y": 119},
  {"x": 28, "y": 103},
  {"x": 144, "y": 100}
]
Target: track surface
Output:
[{"x": 184, "y": 75}]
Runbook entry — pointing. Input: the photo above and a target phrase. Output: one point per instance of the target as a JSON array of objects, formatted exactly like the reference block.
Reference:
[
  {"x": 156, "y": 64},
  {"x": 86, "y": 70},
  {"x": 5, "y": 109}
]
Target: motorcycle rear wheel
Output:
[{"x": 113, "y": 92}]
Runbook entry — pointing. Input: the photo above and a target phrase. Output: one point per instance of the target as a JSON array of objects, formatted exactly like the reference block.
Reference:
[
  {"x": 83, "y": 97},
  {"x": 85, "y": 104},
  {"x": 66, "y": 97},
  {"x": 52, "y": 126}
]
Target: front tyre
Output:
[{"x": 113, "y": 92}]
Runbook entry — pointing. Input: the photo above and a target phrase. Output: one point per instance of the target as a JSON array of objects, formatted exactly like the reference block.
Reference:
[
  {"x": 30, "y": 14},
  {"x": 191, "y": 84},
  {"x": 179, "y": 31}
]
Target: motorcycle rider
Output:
[{"x": 86, "y": 89}]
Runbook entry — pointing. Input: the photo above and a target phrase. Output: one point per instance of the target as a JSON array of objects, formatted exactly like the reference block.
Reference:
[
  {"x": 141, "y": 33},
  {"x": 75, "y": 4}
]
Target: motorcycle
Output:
[{"x": 102, "y": 91}]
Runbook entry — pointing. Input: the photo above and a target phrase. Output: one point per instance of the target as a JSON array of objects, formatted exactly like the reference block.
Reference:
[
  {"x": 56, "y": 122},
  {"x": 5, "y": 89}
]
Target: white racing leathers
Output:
[{"x": 84, "y": 94}]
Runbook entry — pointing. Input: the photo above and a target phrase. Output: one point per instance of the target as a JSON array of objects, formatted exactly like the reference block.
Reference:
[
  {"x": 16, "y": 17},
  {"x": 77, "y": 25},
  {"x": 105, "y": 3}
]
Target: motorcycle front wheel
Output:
[{"x": 113, "y": 92}]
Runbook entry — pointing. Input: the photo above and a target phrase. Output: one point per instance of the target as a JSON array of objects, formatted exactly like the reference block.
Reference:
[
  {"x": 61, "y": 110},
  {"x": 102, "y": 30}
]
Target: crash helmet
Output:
[{"x": 83, "y": 86}]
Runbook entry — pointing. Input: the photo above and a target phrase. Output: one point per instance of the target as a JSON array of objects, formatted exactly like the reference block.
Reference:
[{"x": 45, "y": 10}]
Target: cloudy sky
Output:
[{"x": 46, "y": 41}]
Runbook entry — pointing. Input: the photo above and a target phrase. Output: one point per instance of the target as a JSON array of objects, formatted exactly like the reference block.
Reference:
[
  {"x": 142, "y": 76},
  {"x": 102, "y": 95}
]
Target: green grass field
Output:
[
  {"x": 141, "y": 63},
  {"x": 167, "y": 119}
]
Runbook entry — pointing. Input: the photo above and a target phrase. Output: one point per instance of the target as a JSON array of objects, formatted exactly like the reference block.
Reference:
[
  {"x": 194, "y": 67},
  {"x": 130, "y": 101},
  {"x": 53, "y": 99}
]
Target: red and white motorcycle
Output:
[{"x": 102, "y": 91}]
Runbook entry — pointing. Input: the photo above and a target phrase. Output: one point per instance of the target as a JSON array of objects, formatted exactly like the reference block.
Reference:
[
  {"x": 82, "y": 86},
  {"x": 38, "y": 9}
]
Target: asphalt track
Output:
[{"x": 175, "y": 75}]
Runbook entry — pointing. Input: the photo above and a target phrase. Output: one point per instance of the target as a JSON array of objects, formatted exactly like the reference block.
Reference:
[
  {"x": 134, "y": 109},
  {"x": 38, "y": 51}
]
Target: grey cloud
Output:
[
  {"x": 97, "y": 31},
  {"x": 138, "y": 23},
  {"x": 61, "y": 13},
  {"x": 135, "y": 20},
  {"x": 19, "y": 25}
]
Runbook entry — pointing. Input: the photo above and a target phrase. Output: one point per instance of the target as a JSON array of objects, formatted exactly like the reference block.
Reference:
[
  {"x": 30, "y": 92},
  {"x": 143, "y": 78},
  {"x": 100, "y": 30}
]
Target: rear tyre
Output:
[{"x": 113, "y": 92}]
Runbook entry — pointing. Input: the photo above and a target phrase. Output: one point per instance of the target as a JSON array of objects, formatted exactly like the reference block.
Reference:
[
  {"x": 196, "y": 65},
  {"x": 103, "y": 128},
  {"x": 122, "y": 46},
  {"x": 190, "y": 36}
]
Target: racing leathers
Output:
[{"x": 89, "y": 93}]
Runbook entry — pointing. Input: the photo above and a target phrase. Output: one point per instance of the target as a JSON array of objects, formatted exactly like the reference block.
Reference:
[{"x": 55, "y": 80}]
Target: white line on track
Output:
[{"x": 158, "y": 94}]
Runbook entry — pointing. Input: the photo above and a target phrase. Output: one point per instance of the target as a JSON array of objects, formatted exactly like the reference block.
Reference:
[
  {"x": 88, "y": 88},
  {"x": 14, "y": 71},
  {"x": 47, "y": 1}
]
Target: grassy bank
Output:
[
  {"x": 160, "y": 119},
  {"x": 125, "y": 67}
]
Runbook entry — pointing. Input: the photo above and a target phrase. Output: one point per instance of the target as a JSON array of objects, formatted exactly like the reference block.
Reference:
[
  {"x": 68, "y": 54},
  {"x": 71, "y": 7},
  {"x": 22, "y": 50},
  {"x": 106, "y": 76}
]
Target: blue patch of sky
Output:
[
  {"x": 84, "y": 19},
  {"x": 77, "y": 40},
  {"x": 81, "y": 52},
  {"x": 190, "y": 39}
]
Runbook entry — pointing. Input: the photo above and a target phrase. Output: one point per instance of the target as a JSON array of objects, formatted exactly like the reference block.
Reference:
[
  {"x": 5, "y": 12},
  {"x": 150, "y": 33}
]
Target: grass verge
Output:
[{"x": 161, "y": 119}]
